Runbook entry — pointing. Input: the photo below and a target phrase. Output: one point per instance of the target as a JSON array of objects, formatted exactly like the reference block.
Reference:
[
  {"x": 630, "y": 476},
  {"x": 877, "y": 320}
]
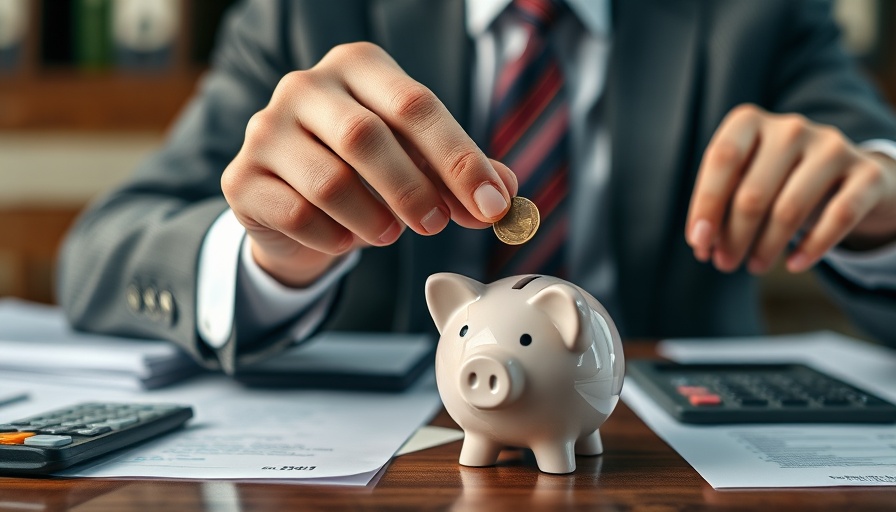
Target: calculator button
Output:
[
  {"x": 753, "y": 402},
  {"x": 15, "y": 437},
  {"x": 872, "y": 402},
  {"x": 794, "y": 402},
  {"x": 119, "y": 423},
  {"x": 692, "y": 390},
  {"x": 42, "y": 423},
  {"x": 95, "y": 431},
  {"x": 702, "y": 400},
  {"x": 48, "y": 441},
  {"x": 55, "y": 430},
  {"x": 8, "y": 428}
]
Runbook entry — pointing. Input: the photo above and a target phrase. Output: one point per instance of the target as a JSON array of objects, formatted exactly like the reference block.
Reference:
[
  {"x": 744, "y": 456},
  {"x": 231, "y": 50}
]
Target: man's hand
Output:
[
  {"x": 347, "y": 154},
  {"x": 764, "y": 177}
]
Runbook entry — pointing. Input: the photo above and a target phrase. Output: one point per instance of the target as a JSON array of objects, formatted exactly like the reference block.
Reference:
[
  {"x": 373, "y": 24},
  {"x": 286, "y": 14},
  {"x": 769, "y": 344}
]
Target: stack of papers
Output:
[{"x": 37, "y": 344}]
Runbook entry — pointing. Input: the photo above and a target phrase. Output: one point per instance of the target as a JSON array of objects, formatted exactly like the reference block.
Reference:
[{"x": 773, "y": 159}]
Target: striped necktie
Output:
[{"x": 529, "y": 132}]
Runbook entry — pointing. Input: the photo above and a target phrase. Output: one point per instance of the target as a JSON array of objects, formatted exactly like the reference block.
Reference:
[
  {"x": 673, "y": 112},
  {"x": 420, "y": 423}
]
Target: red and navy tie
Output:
[{"x": 529, "y": 132}]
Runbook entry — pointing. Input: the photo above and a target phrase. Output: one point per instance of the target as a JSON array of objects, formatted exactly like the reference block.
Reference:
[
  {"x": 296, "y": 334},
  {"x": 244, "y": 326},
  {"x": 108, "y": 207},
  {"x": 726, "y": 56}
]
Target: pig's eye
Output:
[
  {"x": 525, "y": 340},
  {"x": 463, "y": 331}
]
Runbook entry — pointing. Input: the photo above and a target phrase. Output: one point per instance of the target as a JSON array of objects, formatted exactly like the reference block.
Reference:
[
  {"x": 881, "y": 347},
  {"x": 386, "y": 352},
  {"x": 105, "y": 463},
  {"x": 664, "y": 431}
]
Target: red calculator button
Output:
[
  {"x": 692, "y": 390},
  {"x": 701, "y": 400}
]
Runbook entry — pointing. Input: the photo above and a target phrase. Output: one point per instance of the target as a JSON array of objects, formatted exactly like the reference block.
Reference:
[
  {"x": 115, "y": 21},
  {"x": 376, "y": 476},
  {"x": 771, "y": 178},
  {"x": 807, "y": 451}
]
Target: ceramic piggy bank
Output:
[{"x": 527, "y": 361}]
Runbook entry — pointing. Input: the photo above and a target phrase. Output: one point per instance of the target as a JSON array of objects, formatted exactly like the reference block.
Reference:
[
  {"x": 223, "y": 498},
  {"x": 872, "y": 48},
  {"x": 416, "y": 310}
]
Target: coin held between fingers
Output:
[{"x": 520, "y": 223}]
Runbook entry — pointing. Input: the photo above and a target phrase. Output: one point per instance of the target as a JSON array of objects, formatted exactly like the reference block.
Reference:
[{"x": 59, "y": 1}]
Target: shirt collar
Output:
[{"x": 594, "y": 15}]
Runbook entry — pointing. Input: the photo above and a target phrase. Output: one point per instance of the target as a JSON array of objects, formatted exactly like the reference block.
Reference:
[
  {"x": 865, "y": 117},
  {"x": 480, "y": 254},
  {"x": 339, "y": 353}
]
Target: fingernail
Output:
[
  {"x": 701, "y": 254},
  {"x": 723, "y": 262},
  {"x": 755, "y": 265},
  {"x": 701, "y": 233},
  {"x": 797, "y": 262},
  {"x": 434, "y": 221},
  {"x": 390, "y": 234},
  {"x": 489, "y": 200}
]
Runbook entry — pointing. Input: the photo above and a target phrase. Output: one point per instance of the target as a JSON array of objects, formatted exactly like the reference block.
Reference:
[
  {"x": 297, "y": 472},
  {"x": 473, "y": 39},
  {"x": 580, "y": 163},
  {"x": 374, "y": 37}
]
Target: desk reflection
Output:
[
  {"x": 51, "y": 495},
  {"x": 82, "y": 494},
  {"x": 221, "y": 497},
  {"x": 504, "y": 487},
  {"x": 149, "y": 495}
]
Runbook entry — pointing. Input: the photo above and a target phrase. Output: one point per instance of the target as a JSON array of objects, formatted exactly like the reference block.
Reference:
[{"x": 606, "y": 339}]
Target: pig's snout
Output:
[{"x": 487, "y": 383}]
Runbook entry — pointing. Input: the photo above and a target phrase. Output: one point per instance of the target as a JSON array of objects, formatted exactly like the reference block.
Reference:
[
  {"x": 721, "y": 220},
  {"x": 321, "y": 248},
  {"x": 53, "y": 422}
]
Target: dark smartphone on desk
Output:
[
  {"x": 756, "y": 393},
  {"x": 350, "y": 361}
]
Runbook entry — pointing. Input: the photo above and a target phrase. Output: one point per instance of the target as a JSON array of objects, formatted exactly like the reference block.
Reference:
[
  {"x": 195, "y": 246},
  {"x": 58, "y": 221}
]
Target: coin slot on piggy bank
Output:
[{"x": 527, "y": 361}]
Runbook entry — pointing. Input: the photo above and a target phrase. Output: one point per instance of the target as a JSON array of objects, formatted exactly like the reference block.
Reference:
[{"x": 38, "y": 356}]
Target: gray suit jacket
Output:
[{"x": 676, "y": 68}]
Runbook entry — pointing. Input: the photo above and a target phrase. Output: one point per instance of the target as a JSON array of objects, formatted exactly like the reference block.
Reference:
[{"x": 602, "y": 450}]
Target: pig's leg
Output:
[
  {"x": 478, "y": 450},
  {"x": 555, "y": 456},
  {"x": 590, "y": 444}
]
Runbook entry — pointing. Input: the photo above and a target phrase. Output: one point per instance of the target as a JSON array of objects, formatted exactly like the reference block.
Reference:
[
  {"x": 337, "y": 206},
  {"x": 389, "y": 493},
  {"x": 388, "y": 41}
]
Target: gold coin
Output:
[{"x": 520, "y": 223}]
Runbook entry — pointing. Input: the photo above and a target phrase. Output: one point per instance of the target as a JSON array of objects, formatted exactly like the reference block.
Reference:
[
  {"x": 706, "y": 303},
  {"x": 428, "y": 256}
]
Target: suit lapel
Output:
[{"x": 650, "y": 96}]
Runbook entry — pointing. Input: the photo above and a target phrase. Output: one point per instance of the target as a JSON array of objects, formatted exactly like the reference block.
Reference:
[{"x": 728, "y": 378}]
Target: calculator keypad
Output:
[
  {"x": 756, "y": 393},
  {"x": 764, "y": 389},
  {"x": 87, "y": 420}
]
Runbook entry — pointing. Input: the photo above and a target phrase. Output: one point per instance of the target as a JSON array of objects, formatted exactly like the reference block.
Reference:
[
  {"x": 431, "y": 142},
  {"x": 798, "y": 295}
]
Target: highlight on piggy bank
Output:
[{"x": 527, "y": 361}]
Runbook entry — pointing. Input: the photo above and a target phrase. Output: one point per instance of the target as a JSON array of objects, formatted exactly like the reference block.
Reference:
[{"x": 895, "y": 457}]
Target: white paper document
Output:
[
  {"x": 237, "y": 433},
  {"x": 798, "y": 455},
  {"x": 428, "y": 437}
]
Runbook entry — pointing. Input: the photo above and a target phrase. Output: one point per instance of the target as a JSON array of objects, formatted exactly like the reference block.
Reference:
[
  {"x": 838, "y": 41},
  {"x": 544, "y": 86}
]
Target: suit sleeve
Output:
[
  {"x": 129, "y": 265},
  {"x": 815, "y": 77}
]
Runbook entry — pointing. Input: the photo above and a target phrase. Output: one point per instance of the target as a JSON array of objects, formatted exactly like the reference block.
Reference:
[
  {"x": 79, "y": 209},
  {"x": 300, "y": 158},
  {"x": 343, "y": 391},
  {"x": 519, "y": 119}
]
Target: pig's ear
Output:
[
  {"x": 571, "y": 315},
  {"x": 446, "y": 293}
]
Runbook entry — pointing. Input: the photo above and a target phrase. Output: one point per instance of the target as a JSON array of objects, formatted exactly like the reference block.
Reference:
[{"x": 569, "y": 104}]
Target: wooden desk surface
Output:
[{"x": 637, "y": 471}]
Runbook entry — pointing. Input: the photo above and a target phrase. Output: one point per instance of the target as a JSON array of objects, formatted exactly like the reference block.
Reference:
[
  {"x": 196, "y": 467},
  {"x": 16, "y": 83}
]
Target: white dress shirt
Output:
[{"x": 232, "y": 287}]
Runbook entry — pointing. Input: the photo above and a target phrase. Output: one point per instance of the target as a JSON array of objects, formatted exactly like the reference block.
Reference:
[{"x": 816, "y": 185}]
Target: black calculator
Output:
[
  {"x": 756, "y": 393},
  {"x": 54, "y": 440}
]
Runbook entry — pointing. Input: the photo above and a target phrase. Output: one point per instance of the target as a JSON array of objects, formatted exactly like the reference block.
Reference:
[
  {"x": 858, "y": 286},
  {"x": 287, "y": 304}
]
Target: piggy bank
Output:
[{"x": 527, "y": 361}]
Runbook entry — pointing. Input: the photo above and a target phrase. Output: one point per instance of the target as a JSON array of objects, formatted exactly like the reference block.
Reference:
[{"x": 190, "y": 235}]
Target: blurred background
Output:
[{"x": 88, "y": 87}]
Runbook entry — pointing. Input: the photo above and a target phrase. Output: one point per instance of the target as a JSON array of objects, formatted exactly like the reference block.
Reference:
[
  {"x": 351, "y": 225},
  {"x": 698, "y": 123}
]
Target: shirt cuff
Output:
[
  {"x": 882, "y": 146},
  {"x": 869, "y": 269},
  {"x": 265, "y": 303},
  {"x": 216, "y": 279}
]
